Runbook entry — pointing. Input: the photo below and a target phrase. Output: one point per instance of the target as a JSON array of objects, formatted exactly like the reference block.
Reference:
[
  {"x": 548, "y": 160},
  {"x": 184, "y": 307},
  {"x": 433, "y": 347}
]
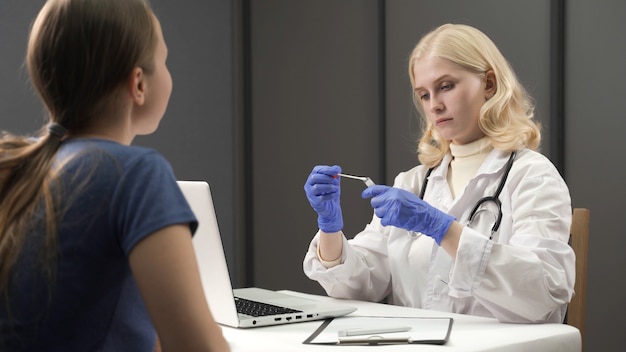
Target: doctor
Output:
[{"x": 481, "y": 226}]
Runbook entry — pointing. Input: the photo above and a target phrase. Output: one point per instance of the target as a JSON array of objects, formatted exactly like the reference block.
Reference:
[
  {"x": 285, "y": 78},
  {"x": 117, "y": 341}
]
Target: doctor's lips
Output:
[{"x": 442, "y": 120}]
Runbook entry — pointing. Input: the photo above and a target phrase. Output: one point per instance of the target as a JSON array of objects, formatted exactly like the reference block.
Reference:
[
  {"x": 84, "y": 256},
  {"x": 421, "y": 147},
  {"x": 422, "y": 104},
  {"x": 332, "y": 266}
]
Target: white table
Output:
[{"x": 469, "y": 333}]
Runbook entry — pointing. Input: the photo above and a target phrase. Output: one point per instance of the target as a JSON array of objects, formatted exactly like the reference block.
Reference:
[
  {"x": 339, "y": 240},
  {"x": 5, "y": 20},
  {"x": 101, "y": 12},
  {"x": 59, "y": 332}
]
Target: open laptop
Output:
[{"x": 276, "y": 308}]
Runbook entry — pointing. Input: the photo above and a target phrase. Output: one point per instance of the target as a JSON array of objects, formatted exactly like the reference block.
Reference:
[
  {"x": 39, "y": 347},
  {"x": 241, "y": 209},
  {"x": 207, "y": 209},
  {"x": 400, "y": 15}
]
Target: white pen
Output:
[{"x": 373, "y": 331}]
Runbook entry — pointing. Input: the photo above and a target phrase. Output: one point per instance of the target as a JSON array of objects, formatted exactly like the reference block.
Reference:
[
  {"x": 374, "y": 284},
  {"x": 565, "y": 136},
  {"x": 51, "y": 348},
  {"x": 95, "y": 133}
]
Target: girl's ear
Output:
[
  {"x": 491, "y": 85},
  {"x": 137, "y": 86}
]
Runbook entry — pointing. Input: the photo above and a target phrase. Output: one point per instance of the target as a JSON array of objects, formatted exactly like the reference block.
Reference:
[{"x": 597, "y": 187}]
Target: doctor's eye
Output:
[
  {"x": 447, "y": 86},
  {"x": 423, "y": 96}
]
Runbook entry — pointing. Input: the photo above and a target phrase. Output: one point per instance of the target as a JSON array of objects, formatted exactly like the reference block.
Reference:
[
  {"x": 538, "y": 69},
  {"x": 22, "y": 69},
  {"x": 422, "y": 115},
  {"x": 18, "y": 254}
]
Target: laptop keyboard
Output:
[{"x": 258, "y": 309}]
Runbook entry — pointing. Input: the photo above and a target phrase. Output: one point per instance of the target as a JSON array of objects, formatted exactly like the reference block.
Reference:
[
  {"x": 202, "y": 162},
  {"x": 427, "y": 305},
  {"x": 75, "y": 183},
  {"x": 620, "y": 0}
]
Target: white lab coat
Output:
[{"x": 525, "y": 274}]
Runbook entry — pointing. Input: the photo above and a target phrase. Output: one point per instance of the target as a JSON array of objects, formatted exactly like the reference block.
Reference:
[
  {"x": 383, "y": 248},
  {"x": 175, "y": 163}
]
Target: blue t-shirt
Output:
[{"x": 115, "y": 196}]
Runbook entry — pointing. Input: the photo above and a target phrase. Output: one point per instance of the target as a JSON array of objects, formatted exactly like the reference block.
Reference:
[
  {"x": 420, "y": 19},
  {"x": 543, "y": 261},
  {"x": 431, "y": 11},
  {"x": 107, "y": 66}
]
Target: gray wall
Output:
[
  {"x": 20, "y": 111},
  {"x": 315, "y": 100},
  {"x": 595, "y": 156},
  {"x": 264, "y": 90}
]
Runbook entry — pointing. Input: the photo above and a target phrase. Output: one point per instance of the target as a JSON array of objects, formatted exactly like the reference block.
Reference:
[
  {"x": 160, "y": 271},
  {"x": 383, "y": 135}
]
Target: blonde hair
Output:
[{"x": 506, "y": 119}]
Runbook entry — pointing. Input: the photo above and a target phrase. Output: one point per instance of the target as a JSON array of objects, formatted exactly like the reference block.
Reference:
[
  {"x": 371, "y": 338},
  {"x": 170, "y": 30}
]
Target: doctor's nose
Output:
[{"x": 436, "y": 105}]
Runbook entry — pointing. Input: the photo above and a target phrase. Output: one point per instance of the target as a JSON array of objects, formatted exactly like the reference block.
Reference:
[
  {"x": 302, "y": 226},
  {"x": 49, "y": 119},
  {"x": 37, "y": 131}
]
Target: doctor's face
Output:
[{"x": 451, "y": 98}]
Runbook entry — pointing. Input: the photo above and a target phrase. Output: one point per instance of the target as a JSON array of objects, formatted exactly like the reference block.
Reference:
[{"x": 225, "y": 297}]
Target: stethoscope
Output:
[{"x": 494, "y": 198}]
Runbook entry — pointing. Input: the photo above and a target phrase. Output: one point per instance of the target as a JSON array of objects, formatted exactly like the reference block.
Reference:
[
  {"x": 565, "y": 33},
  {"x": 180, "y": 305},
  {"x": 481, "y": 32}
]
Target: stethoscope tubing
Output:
[{"x": 493, "y": 198}]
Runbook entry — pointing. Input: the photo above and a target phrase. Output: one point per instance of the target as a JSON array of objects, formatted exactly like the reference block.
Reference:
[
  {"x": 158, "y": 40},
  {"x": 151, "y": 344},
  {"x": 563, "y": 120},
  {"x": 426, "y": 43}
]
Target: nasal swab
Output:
[{"x": 368, "y": 181}]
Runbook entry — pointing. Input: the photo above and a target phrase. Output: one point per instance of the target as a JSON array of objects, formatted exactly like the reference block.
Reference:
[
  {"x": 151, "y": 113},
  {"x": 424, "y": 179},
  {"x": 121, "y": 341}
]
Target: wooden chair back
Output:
[{"x": 579, "y": 240}]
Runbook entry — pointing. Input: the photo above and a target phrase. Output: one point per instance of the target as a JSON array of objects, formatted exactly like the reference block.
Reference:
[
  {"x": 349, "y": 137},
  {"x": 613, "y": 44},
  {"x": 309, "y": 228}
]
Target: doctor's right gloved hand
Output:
[
  {"x": 401, "y": 208},
  {"x": 322, "y": 190}
]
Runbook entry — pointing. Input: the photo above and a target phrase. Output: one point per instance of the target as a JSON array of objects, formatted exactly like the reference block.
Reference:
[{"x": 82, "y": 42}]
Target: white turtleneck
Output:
[{"x": 466, "y": 160}]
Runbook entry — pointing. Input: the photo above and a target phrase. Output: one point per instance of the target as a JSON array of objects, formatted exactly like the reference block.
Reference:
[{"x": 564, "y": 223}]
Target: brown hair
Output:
[{"x": 80, "y": 54}]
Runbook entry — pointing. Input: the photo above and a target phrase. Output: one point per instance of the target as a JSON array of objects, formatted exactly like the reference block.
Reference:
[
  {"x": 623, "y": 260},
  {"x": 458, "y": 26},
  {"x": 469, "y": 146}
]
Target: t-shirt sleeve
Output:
[{"x": 148, "y": 199}]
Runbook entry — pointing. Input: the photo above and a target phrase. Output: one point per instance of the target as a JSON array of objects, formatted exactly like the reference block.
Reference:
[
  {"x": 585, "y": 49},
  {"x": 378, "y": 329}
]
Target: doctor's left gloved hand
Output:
[{"x": 400, "y": 208}]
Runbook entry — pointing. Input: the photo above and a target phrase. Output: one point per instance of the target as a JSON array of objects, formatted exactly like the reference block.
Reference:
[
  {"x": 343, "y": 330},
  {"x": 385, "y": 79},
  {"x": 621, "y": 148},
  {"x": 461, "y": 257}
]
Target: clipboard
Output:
[{"x": 434, "y": 331}]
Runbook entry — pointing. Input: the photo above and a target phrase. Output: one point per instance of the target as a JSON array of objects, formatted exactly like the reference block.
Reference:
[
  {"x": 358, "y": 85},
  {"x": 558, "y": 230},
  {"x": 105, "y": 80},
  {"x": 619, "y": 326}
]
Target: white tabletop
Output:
[{"x": 469, "y": 333}]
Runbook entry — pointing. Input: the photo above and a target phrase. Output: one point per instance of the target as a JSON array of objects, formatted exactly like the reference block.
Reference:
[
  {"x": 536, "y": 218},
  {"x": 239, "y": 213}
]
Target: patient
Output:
[{"x": 95, "y": 234}]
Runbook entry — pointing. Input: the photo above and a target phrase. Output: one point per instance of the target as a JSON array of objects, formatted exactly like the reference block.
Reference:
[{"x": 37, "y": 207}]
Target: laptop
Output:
[{"x": 242, "y": 307}]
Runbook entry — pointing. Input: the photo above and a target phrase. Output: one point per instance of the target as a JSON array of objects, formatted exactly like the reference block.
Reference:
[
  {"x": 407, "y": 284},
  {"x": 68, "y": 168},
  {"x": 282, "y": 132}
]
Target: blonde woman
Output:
[
  {"x": 481, "y": 227},
  {"x": 95, "y": 234}
]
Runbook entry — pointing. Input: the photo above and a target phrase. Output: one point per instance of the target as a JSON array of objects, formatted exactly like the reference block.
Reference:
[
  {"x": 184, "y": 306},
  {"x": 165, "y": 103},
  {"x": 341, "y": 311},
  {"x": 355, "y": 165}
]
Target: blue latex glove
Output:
[
  {"x": 401, "y": 208},
  {"x": 322, "y": 190}
]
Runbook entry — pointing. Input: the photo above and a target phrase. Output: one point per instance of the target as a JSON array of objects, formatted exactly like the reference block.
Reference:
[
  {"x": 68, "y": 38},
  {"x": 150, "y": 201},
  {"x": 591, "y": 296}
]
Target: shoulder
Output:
[
  {"x": 531, "y": 164},
  {"x": 109, "y": 168},
  {"x": 533, "y": 168},
  {"x": 105, "y": 155}
]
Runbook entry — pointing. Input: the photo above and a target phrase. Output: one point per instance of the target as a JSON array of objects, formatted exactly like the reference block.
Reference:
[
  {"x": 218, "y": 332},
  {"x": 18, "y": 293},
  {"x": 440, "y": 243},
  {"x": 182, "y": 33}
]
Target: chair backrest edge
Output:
[{"x": 580, "y": 244}]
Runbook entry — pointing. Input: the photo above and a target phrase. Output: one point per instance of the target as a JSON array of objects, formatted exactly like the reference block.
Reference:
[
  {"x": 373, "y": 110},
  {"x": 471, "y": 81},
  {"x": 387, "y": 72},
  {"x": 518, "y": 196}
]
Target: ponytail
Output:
[{"x": 26, "y": 177}]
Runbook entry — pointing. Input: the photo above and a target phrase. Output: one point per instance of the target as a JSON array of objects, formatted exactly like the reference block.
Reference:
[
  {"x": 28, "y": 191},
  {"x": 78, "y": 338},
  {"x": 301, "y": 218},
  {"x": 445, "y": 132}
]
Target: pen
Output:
[{"x": 373, "y": 331}]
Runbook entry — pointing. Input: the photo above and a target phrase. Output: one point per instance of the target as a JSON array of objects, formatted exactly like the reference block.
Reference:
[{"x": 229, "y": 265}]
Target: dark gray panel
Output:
[
  {"x": 595, "y": 168},
  {"x": 20, "y": 109},
  {"x": 521, "y": 30},
  {"x": 196, "y": 134},
  {"x": 315, "y": 100}
]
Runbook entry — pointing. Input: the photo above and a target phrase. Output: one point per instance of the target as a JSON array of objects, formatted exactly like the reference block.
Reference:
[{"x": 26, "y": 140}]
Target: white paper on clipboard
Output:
[{"x": 423, "y": 330}]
